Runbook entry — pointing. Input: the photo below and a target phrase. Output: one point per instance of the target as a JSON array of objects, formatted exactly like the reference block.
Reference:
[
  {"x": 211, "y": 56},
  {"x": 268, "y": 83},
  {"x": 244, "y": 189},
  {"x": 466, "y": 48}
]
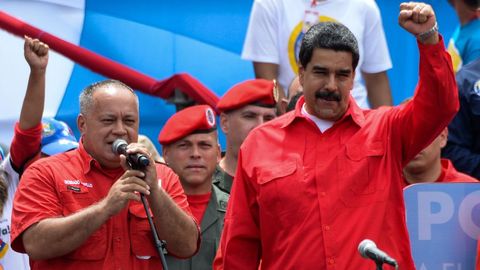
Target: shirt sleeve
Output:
[
  {"x": 25, "y": 145},
  {"x": 36, "y": 199},
  {"x": 376, "y": 57},
  {"x": 433, "y": 106},
  {"x": 240, "y": 242},
  {"x": 462, "y": 134},
  {"x": 261, "y": 41},
  {"x": 170, "y": 183}
]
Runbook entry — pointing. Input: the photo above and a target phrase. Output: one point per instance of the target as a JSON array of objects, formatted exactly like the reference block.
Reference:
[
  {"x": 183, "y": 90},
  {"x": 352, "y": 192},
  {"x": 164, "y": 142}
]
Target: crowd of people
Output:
[{"x": 303, "y": 157}]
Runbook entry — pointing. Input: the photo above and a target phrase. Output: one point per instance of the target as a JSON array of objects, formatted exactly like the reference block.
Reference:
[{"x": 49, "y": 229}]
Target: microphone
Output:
[
  {"x": 369, "y": 250},
  {"x": 136, "y": 161}
]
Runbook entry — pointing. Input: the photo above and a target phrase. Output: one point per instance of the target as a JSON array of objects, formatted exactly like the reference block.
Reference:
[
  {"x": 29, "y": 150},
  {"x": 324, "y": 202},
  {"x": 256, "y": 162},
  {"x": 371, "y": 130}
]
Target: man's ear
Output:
[
  {"x": 224, "y": 122},
  {"x": 165, "y": 152},
  {"x": 219, "y": 153},
  {"x": 301, "y": 71},
  {"x": 81, "y": 123},
  {"x": 443, "y": 138}
]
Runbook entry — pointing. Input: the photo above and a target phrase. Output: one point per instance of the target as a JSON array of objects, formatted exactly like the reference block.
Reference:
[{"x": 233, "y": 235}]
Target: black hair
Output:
[{"x": 328, "y": 35}]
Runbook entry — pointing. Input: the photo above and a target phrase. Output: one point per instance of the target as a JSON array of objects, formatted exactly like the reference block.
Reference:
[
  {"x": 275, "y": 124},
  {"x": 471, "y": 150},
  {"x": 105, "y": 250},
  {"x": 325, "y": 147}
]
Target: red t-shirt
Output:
[
  {"x": 303, "y": 199},
  {"x": 198, "y": 204},
  {"x": 63, "y": 184}
]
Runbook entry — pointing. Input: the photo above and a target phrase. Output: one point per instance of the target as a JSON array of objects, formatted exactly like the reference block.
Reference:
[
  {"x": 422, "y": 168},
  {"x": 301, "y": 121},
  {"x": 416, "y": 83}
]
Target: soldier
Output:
[
  {"x": 245, "y": 106},
  {"x": 191, "y": 149}
]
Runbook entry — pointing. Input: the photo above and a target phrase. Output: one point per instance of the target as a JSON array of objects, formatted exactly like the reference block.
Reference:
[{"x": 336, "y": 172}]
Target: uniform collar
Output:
[{"x": 353, "y": 112}]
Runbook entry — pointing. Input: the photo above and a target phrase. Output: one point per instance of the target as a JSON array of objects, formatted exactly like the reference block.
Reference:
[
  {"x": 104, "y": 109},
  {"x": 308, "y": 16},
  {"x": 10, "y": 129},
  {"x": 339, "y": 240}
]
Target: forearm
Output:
[
  {"x": 173, "y": 225},
  {"x": 436, "y": 89},
  {"x": 33, "y": 103},
  {"x": 378, "y": 89},
  {"x": 58, "y": 236}
]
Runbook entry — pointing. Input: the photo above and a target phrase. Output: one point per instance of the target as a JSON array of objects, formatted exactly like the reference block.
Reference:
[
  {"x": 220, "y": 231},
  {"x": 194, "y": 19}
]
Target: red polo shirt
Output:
[
  {"x": 63, "y": 184},
  {"x": 303, "y": 199},
  {"x": 450, "y": 174}
]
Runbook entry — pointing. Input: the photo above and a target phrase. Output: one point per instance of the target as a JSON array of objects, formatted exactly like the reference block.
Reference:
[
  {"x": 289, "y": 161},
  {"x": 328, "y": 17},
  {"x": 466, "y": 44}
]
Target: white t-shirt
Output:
[
  {"x": 275, "y": 32},
  {"x": 11, "y": 259}
]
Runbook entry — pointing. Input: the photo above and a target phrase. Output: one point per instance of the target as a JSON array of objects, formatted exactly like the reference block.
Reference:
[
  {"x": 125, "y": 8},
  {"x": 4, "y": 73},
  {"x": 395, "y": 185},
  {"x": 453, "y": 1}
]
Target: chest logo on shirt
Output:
[
  {"x": 295, "y": 41},
  {"x": 77, "y": 182}
]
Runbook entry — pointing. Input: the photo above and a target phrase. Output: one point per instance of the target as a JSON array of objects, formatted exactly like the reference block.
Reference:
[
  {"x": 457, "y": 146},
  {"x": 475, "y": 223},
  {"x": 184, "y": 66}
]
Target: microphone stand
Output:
[
  {"x": 159, "y": 244},
  {"x": 380, "y": 265}
]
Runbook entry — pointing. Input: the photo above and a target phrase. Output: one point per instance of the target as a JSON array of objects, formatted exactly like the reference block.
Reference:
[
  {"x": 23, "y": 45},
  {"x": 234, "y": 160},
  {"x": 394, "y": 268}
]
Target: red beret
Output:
[
  {"x": 259, "y": 91},
  {"x": 187, "y": 121}
]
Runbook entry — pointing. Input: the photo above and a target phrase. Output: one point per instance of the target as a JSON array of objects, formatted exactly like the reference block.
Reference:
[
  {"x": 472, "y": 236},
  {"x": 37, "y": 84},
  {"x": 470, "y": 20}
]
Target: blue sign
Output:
[{"x": 444, "y": 224}]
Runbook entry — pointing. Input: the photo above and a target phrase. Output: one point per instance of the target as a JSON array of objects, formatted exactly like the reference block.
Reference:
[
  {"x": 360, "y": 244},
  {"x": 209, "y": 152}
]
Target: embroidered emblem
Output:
[
  {"x": 210, "y": 117},
  {"x": 74, "y": 189}
]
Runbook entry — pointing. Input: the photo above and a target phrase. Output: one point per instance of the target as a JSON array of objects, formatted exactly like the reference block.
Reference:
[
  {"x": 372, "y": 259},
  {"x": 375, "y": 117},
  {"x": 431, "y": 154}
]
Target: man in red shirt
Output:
[
  {"x": 429, "y": 167},
  {"x": 315, "y": 182},
  {"x": 243, "y": 107},
  {"x": 191, "y": 149},
  {"x": 81, "y": 209}
]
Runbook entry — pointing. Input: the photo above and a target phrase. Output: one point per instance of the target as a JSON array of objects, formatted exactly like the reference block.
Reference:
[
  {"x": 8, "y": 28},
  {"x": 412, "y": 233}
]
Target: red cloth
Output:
[
  {"x": 63, "y": 184},
  {"x": 450, "y": 174},
  {"x": 302, "y": 199},
  {"x": 478, "y": 255},
  {"x": 198, "y": 204},
  {"x": 111, "y": 69},
  {"x": 25, "y": 145}
]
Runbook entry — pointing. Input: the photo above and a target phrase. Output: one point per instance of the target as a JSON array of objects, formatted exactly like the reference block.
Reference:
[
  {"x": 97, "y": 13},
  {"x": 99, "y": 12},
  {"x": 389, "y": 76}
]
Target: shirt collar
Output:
[
  {"x": 353, "y": 112},
  {"x": 86, "y": 160},
  {"x": 89, "y": 163}
]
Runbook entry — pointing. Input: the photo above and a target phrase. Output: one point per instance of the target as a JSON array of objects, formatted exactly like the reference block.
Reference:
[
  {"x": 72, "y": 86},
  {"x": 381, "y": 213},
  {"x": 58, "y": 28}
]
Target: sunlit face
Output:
[
  {"x": 327, "y": 80},
  {"x": 113, "y": 115},
  {"x": 428, "y": 156},
  {"x": 194, "y": 158},
  {"x": 238, "y": 123}
]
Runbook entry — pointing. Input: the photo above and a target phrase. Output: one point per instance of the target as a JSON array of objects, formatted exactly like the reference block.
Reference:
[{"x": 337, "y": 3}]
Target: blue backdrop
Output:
[{"x": 205, "y": 38}]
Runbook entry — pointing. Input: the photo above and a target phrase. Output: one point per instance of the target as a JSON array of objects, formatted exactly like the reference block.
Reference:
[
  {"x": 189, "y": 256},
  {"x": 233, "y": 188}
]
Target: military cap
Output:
[
  {"x": 259, "y": 92},
  {"x": 194, "y": 119}
]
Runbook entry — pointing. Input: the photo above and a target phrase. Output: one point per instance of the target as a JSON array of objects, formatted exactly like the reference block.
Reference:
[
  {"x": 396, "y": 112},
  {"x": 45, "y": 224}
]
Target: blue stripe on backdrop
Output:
[{"x": 204, "y": 38}]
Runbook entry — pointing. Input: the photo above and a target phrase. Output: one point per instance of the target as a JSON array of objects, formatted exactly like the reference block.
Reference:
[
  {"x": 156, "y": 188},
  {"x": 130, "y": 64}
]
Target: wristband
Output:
[{"x": 427, "y": 34}]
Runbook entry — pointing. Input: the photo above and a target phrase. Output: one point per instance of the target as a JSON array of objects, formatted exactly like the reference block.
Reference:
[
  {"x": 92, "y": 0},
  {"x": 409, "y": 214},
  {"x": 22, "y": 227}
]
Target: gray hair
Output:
[{"x": 86, "y": 96}]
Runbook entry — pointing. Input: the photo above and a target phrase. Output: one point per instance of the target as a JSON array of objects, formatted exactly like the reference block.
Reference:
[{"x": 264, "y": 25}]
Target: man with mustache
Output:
[
  {"x": 81, "y": 209},
  {"x": 191, "y": 149},
  {"x": 315, "y": 182}
]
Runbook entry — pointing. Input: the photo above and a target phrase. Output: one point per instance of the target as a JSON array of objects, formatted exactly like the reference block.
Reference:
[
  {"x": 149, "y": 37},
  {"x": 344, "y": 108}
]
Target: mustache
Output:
[{"x": 328, "y": 95}]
